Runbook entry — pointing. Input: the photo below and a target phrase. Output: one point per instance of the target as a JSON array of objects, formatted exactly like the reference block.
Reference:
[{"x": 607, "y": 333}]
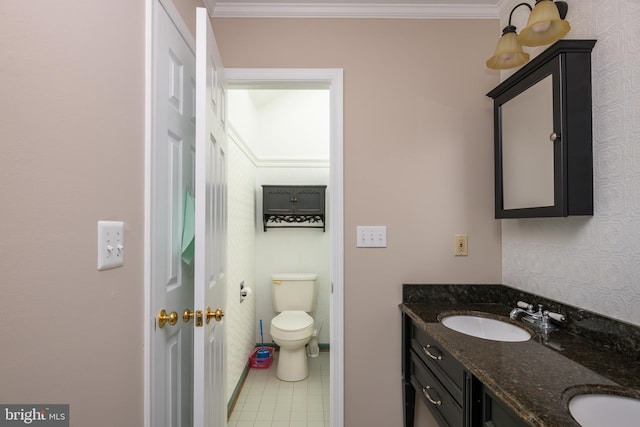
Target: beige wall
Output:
[
  {"x": 73, "y": 153},
  {"x": 186, "y": 8},
  {"x": 418, "y": 158},
  {"x": 72, "y": 126}
]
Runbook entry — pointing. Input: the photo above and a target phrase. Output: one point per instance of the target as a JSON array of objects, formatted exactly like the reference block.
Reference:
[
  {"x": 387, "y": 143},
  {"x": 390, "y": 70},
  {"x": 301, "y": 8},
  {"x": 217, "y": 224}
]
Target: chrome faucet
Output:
[
  {"x": 539, "y": 319},
  {"x": 522, "y": 307}
]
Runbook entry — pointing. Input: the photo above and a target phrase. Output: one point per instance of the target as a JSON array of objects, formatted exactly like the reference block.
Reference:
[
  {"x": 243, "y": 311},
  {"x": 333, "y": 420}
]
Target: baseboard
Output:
[{"x": 237, "y": 390}]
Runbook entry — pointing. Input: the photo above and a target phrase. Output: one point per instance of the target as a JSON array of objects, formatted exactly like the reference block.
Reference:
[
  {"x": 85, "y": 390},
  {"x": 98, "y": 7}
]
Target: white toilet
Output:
[{"x": 294, "y": 296}]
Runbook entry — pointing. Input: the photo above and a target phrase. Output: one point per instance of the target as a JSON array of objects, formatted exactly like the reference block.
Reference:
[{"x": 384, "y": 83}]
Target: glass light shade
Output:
[
  {"x": 508, "y": 53},
  {"x": 544, "y": 25}
]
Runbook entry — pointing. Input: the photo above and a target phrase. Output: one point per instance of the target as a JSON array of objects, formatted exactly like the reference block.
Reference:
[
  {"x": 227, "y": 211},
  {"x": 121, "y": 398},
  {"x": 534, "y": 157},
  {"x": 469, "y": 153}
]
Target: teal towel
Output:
[{"x": 188, "y": 228}]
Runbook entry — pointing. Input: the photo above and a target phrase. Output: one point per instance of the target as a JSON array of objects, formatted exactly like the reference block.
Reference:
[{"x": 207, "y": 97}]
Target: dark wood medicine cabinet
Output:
[{"x": 543, "y": 135}]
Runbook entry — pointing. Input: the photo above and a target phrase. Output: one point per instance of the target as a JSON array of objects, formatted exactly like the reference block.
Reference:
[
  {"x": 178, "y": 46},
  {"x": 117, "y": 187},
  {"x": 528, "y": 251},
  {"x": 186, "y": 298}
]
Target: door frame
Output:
[
  {"x": 331, "y": 79},
  {"x": 325, "y": 78}
]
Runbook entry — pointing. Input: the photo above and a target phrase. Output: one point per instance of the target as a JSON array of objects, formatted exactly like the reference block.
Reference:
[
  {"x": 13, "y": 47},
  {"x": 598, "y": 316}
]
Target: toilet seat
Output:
[{"x": 292, "y": 325}]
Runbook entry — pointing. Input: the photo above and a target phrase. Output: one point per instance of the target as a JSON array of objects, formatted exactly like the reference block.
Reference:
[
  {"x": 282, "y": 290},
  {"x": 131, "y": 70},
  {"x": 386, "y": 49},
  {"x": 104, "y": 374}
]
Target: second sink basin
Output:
[
  {"x": 485, "y": 327},
  {"x": 605, "y": 410}
]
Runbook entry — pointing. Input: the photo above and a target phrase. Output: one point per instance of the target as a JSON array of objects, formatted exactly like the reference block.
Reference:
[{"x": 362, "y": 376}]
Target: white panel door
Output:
[
  {"x": 172, "y": 171},
  {"x": 211, "y": 230}
]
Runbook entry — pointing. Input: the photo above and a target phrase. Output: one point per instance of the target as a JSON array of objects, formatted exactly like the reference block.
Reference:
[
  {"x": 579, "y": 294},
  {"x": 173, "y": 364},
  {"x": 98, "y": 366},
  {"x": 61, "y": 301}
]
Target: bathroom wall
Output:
[
  {"x": 73, "y": 131},
  {"x": 292, "y": 126},
  {"x": 593, "y": 262},
  {"x": 241, "y": 316},
  {"x": 418, "y": 157}
]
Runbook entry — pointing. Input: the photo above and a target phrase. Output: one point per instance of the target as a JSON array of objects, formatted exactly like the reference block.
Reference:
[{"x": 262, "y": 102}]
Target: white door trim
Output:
[
  {"x": 321, "y": 78},
  {"x": 332, "y": 79}
]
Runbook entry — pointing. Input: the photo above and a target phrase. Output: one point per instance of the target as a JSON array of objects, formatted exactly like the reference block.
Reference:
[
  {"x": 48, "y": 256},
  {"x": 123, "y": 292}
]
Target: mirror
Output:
[
  {"x": 543, "y": 136},
  {"x": 527, "y": 153}
]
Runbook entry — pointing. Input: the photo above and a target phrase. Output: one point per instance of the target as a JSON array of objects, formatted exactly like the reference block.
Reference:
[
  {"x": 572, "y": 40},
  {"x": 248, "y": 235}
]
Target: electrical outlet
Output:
[
  {"x": 372, "y": 236},
  {"x": 460, "y": 245},
  {"x": 110, "y": 244}
]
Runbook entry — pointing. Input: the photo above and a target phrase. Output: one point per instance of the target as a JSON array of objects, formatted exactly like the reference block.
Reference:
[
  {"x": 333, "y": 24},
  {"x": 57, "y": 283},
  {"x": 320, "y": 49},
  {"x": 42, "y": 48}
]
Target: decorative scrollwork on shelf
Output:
[{"x": 294, "y": 219}]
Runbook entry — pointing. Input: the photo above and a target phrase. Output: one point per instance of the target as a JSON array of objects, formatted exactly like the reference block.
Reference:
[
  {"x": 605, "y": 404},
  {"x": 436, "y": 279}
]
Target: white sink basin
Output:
[
  {"x": 484, "y": 327},
  {"x": 605, "y": 410}
]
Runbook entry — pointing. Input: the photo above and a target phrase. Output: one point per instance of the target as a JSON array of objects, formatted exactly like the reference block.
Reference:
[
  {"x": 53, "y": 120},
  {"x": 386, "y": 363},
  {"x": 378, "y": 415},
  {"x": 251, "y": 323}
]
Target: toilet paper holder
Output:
[{"x": 245, "y": 291}]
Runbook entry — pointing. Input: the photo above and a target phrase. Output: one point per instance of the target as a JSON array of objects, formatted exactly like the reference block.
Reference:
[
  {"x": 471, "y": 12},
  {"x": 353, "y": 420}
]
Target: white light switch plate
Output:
[
  {"x": 371, "y": 236},
  {"x": 110, "y": 244}
]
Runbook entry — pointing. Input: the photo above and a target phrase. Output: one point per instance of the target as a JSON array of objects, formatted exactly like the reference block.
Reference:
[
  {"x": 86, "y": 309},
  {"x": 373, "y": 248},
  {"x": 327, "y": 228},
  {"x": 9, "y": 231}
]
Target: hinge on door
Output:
[{"x": 198, "y": 319}]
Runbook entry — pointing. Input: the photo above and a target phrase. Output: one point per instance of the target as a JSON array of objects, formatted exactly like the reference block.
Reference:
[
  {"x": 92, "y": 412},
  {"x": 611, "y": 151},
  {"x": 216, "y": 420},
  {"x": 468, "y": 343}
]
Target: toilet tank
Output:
[{"x": 294, "y": 291}]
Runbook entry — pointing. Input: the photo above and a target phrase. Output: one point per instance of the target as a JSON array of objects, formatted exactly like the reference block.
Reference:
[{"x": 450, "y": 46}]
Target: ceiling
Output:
[
  {"x": 356, "y": 8},
  {"x": 282, "y": 126}
]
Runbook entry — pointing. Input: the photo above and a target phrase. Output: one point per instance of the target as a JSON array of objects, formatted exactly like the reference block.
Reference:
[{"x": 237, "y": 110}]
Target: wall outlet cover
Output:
[{"x": 461, "y": 247}]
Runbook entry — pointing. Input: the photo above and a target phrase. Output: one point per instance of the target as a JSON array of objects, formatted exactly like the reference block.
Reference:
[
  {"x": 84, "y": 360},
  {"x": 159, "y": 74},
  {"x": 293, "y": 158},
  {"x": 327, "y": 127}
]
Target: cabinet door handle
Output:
[
  {"x": 429, "y": 398},
  {"x": 428, "y": 353}
]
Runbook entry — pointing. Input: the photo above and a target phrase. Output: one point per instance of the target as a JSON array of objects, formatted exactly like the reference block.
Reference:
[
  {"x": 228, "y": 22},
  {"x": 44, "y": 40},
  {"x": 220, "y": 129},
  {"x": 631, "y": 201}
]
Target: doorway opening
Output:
[
  {"x": 308, "y": 79},
  {"x": 285, "y": 126}
]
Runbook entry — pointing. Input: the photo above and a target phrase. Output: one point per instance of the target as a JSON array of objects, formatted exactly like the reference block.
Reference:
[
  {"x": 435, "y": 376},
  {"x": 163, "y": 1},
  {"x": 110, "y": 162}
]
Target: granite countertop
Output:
[{"x": 534, "y": 378}]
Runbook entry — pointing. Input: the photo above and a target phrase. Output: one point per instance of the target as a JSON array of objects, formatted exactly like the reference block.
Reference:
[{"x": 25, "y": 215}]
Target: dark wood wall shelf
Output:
[{"x": 293, "y": 206}]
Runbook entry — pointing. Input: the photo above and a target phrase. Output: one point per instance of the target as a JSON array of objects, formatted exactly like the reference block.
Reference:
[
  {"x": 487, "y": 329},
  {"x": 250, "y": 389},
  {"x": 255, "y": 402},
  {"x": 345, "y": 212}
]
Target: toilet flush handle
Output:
[{"x": 277, "y": 282}]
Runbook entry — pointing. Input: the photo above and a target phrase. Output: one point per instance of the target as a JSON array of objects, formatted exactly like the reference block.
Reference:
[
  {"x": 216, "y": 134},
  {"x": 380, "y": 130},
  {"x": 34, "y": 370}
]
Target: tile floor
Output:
[{"x": 265, "y": 401}]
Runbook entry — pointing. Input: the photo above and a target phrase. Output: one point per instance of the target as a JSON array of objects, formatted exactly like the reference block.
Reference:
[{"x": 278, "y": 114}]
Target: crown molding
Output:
[
  {"x": 236, "y": 138},
  {"x": 210, "y": 5},
  {"x": 222, "y": 9},
  {"x": 292, "y": 163},
  {"x": 240, "y": 142}
]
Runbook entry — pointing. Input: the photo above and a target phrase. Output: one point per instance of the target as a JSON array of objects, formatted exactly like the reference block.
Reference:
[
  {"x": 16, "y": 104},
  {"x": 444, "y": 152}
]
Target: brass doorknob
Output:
[
  {"x": 163, "y": 317},
  {"x": 218, "y": 314},
  {"x": 187, "y": 315}
]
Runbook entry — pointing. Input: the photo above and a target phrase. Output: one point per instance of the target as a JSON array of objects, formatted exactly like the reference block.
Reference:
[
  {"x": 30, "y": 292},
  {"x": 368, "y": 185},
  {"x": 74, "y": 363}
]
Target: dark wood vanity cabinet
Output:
[
  {"x": 495, "y": 413},
  {"x": 302, "y": 205},
  {"x": 440, "y": 381},
  {"x": 454, "y": 396}
]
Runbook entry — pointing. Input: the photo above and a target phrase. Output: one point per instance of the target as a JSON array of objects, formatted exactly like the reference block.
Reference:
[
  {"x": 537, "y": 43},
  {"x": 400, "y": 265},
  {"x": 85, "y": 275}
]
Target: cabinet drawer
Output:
[
  {"x": 434, "y": 394},
  {"x": 448, "y": 370},
  {"x": 496, "y": 414}
]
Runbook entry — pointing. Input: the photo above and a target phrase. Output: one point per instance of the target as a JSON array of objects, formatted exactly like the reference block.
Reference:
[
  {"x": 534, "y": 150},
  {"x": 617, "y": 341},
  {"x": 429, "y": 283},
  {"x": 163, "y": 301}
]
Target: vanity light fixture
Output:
[{"x": 546, "y": 24}]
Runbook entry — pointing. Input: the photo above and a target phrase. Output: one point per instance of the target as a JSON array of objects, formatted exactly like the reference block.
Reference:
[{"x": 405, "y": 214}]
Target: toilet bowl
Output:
[
  {"x": 293, "y": 297},
  {"x": 292, "y": 331}
]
